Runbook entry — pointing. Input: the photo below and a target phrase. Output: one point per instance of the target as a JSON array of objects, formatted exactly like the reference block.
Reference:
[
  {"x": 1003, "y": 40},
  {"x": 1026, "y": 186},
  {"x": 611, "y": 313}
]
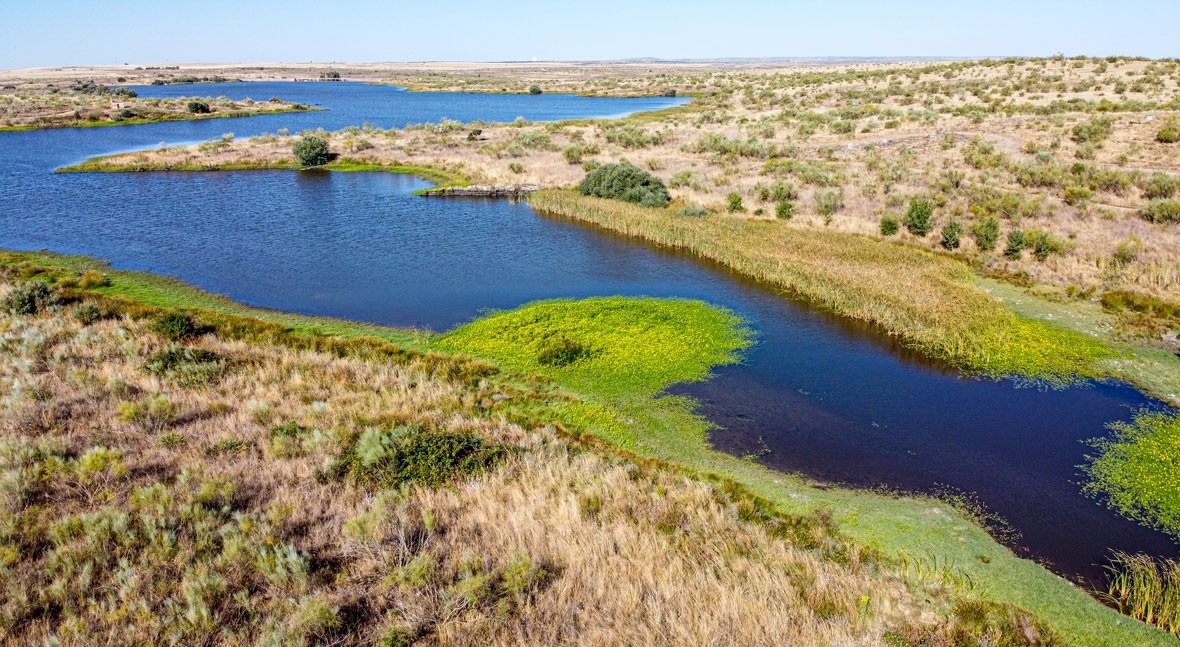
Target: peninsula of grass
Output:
[
  {"x": 937, "y": 549},
  {"x": 927, "y": 300},
  {"x": 129, "y": 163},
  {"x": 1135, "y": 470}
]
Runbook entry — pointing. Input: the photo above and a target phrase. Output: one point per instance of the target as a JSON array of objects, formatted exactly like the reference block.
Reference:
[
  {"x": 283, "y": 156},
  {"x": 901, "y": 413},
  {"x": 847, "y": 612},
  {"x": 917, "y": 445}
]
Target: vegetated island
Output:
[
  {"x": 1009, "y": 216},
  {"x": 180, "y": 467},
  {"x": 88, "y": 104}
]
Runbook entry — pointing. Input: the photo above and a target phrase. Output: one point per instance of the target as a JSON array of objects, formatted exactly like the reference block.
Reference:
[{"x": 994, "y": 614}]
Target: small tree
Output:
[
  {"x": 986, "y": 232},
  {"x": 627, "y": 182},
  {"x": 917, "y": 216},
  {"x": 312, "y": 150},
  {"x": 199, "y": 108},
  {"x": 534, "y": 89}
]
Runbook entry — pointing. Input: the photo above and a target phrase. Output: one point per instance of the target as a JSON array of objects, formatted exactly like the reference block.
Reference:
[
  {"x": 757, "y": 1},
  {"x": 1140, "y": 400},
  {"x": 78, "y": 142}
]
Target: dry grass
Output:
[{"x": 142, "y": 508}]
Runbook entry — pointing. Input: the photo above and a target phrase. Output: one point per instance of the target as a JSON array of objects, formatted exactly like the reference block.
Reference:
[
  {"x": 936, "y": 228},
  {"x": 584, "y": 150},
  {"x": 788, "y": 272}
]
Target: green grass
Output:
[
  {"x": 179, "y": 116},
  {"x": 615, "y": 346},
  {"x": 1135, "y": 470}
]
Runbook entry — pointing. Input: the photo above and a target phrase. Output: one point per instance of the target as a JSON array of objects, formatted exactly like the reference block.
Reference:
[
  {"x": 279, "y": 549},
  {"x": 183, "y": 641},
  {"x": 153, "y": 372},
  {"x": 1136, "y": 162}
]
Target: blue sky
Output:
[{"x": 37, "y": 33}]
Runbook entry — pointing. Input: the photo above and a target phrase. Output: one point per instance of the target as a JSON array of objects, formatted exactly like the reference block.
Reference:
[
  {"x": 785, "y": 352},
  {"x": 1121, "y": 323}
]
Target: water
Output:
[{"x": 827, "y": 397}]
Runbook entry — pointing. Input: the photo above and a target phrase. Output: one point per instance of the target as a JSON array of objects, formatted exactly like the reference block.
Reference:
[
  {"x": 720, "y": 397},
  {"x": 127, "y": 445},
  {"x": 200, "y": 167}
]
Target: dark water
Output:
[{"x": 826, "y": 397}]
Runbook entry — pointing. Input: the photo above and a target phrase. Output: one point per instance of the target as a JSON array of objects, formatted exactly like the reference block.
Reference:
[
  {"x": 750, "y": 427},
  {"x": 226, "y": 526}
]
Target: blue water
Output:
[{"x": 826, "y": 397}]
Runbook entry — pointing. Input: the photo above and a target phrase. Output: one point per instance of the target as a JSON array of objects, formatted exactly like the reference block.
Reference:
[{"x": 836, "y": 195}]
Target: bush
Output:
[
  {"x": 828, "y": 203},
  {"x": 733, "y": 202},
  {"x": 387, "y": 458},
  {"x": 627, "y": 182},
  {"x": 917, "y": 216},
  {"x": 186, "y": 366},
  {"x": 561, "y": 352},
  {"x": 952, "y": 232},
  {"x": 1162, "y": 211},
  {"x": 1169, "y": 134},
  {"x": 1093, "y": 131},
  {"x": 986, "y": 233},
  {"x": 1161, "y": 186},
  {"x": 1076, "y": 196},
  {"x": 175, "y": 326},
  {"x": 534, "y": 89},
  {"x": 693, "y": 212},
  {"x": 1015, "y": 244},
  {"x": 889, "y": 225},
  {"x": 312, "y": 150},
  {"x": 1043, "y": 243},
  {"x": 199, "y": 108},
  {"x": 29, "y": 298},
  {"x": 784, "y": 210}
]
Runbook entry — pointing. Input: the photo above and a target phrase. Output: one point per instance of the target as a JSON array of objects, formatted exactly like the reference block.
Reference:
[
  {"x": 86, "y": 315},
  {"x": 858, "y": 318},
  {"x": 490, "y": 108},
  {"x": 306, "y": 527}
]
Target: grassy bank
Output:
[
  {"x": 927, "y": 300},
  {"x": 224, "y": 482},
  {"x": 127, "y": 162},
  {"x": 161, "y": 118},
  {"x": 932, "y": 544}
]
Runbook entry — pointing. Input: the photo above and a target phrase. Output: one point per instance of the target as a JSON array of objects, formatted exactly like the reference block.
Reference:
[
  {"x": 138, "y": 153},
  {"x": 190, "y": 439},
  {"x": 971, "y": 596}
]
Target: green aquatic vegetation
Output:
[
  {"x": 623, "y": 345},
  {"x": 1135, "y": 470}
]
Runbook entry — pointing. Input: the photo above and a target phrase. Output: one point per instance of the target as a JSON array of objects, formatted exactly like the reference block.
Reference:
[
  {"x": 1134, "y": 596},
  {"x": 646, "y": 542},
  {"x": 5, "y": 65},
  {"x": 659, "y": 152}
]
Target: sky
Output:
[{"x": 44, "y": 33}]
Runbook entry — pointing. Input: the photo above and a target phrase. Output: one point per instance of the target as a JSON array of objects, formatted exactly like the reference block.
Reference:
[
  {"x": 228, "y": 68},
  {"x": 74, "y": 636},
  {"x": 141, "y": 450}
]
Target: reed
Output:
[{"x": 1146, "y": 589}]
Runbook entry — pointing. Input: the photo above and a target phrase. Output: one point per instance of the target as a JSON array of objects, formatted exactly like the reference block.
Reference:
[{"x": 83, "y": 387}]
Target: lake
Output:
[{"x": 817, "y": 394}]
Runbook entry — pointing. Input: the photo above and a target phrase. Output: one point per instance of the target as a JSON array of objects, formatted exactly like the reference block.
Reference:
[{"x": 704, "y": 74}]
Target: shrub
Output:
[
  {"x": 1161, "y": 186},
  {"x": 1162, "y": 211},
  {"x": 952, "y": 232},
  {"x": 828, "y": 203},
  {"x": 87, "y": 313},
  {"x": 561, "y": 351},
  {"x": 1043, "y": 243},
  {"x": 784, "y": 210},
  {"x": 91, "y": 279},
  {"x": 175, "y": 326},
  {"x": 693, "y": 212},
  {"x": 986, "y": 232},
  {"x": 29, "y": 298},
  {"x": 516, "y": 167},
  {"x": 1169, "y": 134},
  {"x": 1076, "y": 196},
  {"x": 199, "y": 108},
  {"x": 312, "y": 150},
  {"x": 1093, "y": 131},
  {"x": 917, "y": 216},
  {"x": 733, "y": 202},
  {"x": 627, "y": 182},
  {"x": 534, "y": 89},
  {"x": 187, "y": 366},
  {"x": 889, "y": 225},
  {"x": 1015, "y": 244},
  {"x": 388, "y": 458}
]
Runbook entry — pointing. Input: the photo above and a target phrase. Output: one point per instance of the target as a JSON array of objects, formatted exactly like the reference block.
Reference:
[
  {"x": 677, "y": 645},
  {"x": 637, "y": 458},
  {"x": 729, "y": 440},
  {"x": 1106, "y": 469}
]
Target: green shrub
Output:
[
  {"x": 733, "y": 202},
  {"x": 516, "y": 167},
  {"x": 1169, "y": 134},
  {"x": 186, "y": 366},
  {"x": 1077, "y": 196},
  {"x": 889, "y": 225},
  {"x": 1162, "y": 211},
  {"x": 561, "y": 351},
  {"x": 952, "y": 232},
  {"x": 1015, "y": 244},
  {"x": 693, "y": 212},
  {"x": 1093, "y": 131},
  {"x": 986, "y": 233},
  {"x": 627, "y": 182},
  {"x": 534, "y": 89},
  {"x": 784, "y": 210},
  {"x": 1043, "y": 243},
  {"x": 1161, "y": 186},
  {"x": 918, "y": 215},
  {"x": 175, "y": 326},
  {"x": 29, "y": 298},
  {"x": 199, "y": 108},
  {"x": 387, "y": 458},
  {"x": 87, "y": 313},
  {"x": 827, "y": 203},
  {"x": 312, "y": 150}
]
